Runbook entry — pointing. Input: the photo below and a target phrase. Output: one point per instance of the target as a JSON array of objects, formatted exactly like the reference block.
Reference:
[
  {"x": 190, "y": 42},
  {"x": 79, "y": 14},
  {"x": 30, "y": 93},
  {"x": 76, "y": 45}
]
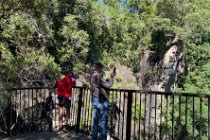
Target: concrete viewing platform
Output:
[{"x": 55, "y": 135}]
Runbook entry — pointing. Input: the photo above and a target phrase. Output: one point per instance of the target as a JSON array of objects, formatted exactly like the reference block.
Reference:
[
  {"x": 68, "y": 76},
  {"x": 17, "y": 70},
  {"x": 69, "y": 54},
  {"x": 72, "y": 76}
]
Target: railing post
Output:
[
  {"x": 79, "y": 110},
  {"x": 8, "y": 114},
  {"x": 208, "y": 118},
  {"x": 51, "y": 109},
  {"x": 129, "y": 116}
]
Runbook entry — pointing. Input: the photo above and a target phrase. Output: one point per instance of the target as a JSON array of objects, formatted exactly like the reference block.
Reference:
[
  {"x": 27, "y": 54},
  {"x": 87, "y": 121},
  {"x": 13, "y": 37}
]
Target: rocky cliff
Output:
[{"x": 163, "y": 74}]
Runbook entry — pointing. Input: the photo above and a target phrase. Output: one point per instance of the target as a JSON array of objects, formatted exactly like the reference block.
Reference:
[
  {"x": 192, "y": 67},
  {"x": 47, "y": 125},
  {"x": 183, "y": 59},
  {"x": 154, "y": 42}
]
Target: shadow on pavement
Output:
[{"x": 56, "y": 135}]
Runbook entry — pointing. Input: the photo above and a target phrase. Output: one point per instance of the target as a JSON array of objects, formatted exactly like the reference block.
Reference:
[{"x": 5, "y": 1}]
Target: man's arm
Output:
[{"x": 107, "y": 83}]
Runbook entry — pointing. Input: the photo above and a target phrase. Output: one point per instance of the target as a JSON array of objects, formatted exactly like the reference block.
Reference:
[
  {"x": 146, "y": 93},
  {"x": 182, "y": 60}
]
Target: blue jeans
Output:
[{"x": 100, "y": 114}]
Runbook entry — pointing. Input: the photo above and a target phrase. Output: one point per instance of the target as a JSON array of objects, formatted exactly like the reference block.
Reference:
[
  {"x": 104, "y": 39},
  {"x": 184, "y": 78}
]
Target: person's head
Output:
[
  {"x": 67, "y": 67},
  {"x": 98, "y": 66}
]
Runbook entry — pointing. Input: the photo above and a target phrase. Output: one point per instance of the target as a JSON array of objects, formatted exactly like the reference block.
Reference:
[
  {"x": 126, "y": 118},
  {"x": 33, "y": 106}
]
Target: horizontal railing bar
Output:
[
  {"x": 25, "y": 88},
  {"x": 202, "y": 95}
]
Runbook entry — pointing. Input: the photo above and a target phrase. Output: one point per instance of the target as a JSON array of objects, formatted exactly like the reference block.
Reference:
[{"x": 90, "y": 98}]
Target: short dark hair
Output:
[{"x": 98, "y": 64}]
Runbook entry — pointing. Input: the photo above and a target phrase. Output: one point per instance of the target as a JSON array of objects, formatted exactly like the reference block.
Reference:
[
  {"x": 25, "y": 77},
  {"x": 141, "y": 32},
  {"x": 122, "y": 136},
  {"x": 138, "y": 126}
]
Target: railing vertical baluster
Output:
[
  {"x": 193, "y": 117},
  {"x": 119, "y": 115},
  {"x": 83, "y": 111},
  {"x": 24, "y": 106},
  {"x": 79, "y": 110},
  {"x": 72, "y": 107},
  {"x": 179, "y": 121},
  {"x": 85, "y": 108},
  {"x": 43, "y": 100},
  {"x": 15, "y": 103},
  {"x": 145, "y": 111},
  {"x": 208, "y": 118},
  {"x": 118, "y": 109},
  {"x": 28, "y": 117},
  {"x": 55, "y": 107},
  {"x": 8, "y": 115},
  {"x": 82, "y": 123},
  {"x": 112, "y": 110},
  {"x": 161, "y": 113},
  {"x": 166, "y": 116},
  {"x": 135, "y": 116},
  {"x": 36, "y": 101},
  {"x": 90, "y": 108},
  {"x": 186, "y": 112},
  {"x": 172, "y": 117},
  {"x": 201, "y": 101},
  {"x": 155, "y": 116},
  {"x": 150, "y": 110},
  {"x": 124, "y": 96},
  {"x": 129, "y": 116},
  {"x": 32, "y": 113},
  {"x": 139, "y": 133},
  {"x": 51, "y": 109},
  {"x": 20, "y": 104}
]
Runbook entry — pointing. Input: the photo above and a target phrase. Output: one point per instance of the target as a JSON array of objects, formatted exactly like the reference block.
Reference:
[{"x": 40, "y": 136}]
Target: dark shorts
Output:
[{"x": 64, "y": 101}]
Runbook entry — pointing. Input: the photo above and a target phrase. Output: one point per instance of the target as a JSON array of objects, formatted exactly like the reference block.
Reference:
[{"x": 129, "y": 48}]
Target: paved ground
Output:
[{"x": 56, "y": 135}]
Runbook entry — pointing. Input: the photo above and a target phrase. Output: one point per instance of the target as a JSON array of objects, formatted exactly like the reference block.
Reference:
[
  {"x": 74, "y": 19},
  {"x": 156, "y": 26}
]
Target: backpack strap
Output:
[{"x": 100, "y": 88}]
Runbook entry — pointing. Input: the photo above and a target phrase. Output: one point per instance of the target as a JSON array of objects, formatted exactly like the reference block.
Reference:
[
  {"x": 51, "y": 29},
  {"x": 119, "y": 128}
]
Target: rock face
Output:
[
  {"x": 160, "y": 76},
  {"x": 125, "y": 77},
  {"x": 163, "y": 75}
]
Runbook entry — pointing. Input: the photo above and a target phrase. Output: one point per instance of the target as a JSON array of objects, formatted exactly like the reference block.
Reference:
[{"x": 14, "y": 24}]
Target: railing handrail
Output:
[{"x": 201, "y": 95}]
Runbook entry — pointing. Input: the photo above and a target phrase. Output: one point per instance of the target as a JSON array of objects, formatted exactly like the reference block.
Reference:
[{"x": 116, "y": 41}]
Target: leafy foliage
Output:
[
  {"x": 83, "y": 31},
  {"x": 37, "y": 36}
]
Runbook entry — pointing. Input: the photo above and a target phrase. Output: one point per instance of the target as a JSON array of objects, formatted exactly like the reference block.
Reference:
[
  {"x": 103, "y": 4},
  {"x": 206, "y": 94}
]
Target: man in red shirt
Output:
[{"x": 64, "y": 90}]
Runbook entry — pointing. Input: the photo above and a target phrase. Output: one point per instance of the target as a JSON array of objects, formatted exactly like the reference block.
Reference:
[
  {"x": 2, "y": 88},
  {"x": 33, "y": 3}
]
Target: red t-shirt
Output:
[{"x": 64, "y": 86}]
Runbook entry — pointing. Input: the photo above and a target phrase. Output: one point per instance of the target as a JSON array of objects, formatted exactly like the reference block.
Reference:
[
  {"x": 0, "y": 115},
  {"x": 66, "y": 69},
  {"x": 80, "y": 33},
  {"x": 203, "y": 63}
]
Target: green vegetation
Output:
[{"x": 37, "y": 36}]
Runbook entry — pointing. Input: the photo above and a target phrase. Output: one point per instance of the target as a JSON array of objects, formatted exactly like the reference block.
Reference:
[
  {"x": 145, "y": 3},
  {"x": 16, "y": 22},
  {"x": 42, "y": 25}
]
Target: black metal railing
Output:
[
  {"x": 26, "y": 110},
  {"x": 133, "y": 114}
]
